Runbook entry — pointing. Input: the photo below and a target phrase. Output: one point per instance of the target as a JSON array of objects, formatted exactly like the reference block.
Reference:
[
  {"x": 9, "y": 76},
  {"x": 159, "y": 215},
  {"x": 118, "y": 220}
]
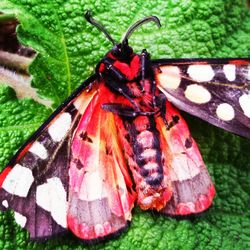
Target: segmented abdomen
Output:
[
  {"x": 140, "y": 138},
  {"x": 146, "y": 149}
]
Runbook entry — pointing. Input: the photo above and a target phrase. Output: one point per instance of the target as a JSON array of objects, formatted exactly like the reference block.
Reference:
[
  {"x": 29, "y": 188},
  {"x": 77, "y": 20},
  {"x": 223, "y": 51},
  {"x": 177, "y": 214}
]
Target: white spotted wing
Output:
[
  {"x": 35, "y": 182},
  {"x": 215, "y": 90},
  {"x": 71, "y": 174}
]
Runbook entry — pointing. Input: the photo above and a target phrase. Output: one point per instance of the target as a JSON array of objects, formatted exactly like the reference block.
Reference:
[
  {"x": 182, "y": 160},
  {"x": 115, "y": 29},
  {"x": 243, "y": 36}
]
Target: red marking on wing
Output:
[
  {"x": 3, "y": 175},
  {"x": 193, "y": 190},
  {"x": 100, "y": 189},
  {"x": 24, "y": 151},
  {"x": 239, "y": 62}
]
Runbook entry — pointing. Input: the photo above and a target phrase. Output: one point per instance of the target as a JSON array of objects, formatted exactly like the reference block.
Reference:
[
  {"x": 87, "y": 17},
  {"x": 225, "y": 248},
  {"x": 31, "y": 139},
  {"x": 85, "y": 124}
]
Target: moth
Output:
[{"x": 119, "y": 139}]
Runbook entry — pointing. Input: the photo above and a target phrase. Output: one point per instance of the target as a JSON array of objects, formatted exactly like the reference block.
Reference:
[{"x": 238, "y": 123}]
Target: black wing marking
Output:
[
  {"x": 215, "y": 90},
  {"x": 35, "y": 182}
]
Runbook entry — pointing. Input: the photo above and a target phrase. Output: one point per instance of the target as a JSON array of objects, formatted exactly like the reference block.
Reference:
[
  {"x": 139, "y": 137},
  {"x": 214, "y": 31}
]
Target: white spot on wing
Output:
[
  {"x": 197, "y": 94},
  {"x": 38, "y": 149},
  {"x": 170, "y": 77},
  {"x": 93, "y": 187},
  {"x": 82, "y": 101},
  {"x": 20, "y": 219},
  {"x": 99, "y": 230},
  {"x": 244, "y": 101},
  {"x": 183, "y": 168},
  {"x": 5, "y": 203},
  {"x": 18, "y": 181},
  {"x": 51, "y": 196},
  {"x": 248, "y": 73},
  {"x": 230, "y": 71},
  {"x": 225, "y": 112},
  {"x": 201, "y": 73},
  {"x": 60, "y": 126},
  {"x": 78, "y": 104}
]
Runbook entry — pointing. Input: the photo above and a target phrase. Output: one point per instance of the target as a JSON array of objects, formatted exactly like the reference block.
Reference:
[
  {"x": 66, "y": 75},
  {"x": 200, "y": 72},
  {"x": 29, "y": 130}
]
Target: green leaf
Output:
[{"x": 69, "y": 49}]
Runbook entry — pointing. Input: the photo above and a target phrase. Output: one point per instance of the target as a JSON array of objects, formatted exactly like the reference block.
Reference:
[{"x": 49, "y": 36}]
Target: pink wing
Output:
[
  {"x": 193, "y": 190},
  {"x": 100, "y": 189}
]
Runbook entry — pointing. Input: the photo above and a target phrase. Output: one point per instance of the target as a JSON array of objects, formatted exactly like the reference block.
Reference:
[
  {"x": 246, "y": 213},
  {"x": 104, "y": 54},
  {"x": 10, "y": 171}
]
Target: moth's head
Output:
[{"x": 121, "y": 50}]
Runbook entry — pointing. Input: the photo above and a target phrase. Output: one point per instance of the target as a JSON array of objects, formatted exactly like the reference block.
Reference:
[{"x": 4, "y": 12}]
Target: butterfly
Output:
[{"x": 119, "y": 139}]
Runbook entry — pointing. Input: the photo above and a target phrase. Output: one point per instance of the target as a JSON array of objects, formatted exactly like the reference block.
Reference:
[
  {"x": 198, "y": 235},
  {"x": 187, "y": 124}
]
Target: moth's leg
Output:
[
  {"x": 144, "y": 65},
  {"x": 147, "y": 72},
  {"x": 122, "y": 89},
  {"x": 153, "y": 92},
  {"x": 124, "y": 110}
]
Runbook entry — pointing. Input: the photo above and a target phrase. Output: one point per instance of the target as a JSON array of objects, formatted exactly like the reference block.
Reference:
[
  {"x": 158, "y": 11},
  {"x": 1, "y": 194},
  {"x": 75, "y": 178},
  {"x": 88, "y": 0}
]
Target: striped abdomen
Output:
[{"x": 142, "y": 148}]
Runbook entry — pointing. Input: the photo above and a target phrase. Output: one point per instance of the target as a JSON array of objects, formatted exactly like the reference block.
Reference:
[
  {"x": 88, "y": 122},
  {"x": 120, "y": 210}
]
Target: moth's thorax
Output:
[{"x": 121, "y": 70}]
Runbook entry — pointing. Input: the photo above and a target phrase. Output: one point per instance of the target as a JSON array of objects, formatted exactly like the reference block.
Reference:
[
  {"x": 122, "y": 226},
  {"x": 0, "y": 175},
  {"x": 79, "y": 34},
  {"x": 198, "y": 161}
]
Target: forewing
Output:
[
  {"x": 100, "y": 189},
  {"x": 35, "y": 182},
  {"x": 192, "y": 188},
  {"x": 216, "y": 90}
]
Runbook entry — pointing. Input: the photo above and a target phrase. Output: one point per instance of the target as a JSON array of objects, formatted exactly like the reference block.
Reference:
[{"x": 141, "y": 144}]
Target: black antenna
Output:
[
  {"x": 90, "y": 19},
  {"x": 138, "y": 24}
]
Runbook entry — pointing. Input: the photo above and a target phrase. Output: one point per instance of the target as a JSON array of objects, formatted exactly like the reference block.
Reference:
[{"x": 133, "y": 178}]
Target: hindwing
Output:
[
  {"x": 192, "y": 188},
  {"x": 100, "y": 189}
]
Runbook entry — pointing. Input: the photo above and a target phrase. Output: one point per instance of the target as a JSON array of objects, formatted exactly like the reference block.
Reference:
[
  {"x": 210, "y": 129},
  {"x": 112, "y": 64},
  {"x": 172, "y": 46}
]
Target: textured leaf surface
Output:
[{"x": 69, "y": 49}]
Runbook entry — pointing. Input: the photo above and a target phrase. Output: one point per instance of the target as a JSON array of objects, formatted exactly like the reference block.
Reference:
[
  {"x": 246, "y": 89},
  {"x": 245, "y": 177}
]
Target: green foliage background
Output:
[{"x": 69, "y": 49}]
